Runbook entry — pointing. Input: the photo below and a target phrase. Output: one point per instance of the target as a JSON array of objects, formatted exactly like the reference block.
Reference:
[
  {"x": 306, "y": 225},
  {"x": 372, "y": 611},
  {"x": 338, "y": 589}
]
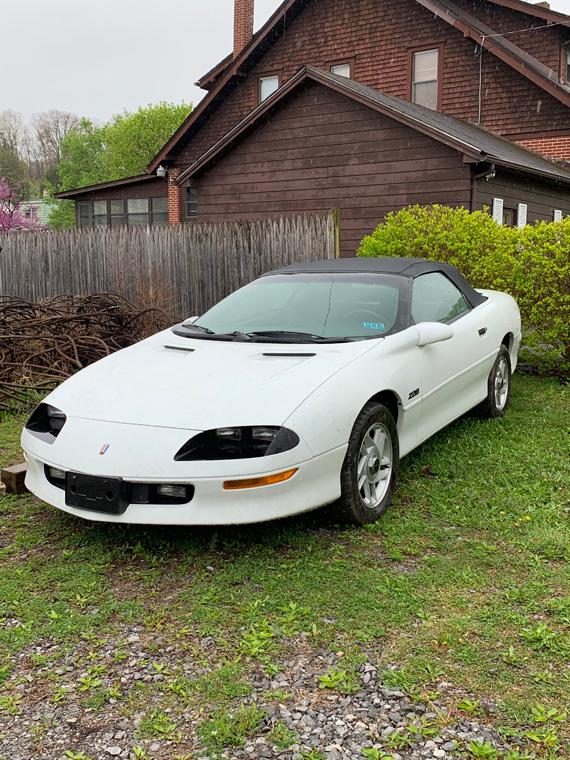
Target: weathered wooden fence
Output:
[{"x": 184, "y": 268}]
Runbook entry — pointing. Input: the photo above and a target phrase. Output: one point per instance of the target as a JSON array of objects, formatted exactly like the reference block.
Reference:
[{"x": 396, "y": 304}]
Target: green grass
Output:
[{"x": 466, "y": 580}]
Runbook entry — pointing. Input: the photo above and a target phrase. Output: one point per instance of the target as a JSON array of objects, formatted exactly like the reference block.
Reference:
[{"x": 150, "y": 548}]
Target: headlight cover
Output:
[
  {"x": 237, "y": 443},
  {"x": 46, "y": 423}
]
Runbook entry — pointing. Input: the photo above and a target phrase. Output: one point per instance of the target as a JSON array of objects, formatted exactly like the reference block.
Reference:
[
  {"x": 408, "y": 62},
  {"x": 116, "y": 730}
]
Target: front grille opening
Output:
[{"x": 137, "y": 493}]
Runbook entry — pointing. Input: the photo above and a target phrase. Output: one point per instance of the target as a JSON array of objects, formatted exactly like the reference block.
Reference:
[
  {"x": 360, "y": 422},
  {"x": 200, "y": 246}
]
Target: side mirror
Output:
[{"x": 433, "y": 332}]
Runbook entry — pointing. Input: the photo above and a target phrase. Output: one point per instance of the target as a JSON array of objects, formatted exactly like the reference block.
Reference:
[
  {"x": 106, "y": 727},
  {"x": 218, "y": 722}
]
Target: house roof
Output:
[
  {"x": 533, "y": 9},
  {"x": 501, "y": 47},
  {"x": 105, "y": 185},
  {"x": 474, "y": 142},
  {"x": 222, "y": 75}
]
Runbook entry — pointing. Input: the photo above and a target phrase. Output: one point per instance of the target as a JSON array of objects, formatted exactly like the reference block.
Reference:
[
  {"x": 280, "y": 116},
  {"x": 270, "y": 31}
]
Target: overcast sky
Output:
[{"x": 98, "y": 57}]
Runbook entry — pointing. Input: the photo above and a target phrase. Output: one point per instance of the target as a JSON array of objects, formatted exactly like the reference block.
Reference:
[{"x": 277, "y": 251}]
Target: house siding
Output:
[
  {"x": 540, "y": 198},
  {"x": 378, "y": 35},
  {"x": 323, "y": 151}
]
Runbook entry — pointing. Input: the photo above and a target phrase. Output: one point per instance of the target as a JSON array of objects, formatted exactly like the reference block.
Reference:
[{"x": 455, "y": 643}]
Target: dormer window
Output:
[{"x": 425, "y": 78}]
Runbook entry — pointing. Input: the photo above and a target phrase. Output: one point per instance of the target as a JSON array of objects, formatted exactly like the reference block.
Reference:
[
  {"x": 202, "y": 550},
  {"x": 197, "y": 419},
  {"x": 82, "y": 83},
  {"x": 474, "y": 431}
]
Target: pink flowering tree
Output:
[{"x": 11, "y": 215}]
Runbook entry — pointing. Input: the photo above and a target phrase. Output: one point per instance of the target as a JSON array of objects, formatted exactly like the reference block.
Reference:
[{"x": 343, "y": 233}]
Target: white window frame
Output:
[
  {"x": 414, "y": 82},
  {"x": 345, "y": 66},
  {"x": 268, "y": 78}
]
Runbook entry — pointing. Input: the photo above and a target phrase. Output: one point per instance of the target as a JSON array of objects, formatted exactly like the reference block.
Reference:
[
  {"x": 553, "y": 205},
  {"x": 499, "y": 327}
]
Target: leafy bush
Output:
[{"x": 532, "y": 264}]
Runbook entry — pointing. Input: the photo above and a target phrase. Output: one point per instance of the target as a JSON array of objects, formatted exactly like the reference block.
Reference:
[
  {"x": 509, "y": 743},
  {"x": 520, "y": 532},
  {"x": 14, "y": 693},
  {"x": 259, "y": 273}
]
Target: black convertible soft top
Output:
[{"x": 405, "y": 267}]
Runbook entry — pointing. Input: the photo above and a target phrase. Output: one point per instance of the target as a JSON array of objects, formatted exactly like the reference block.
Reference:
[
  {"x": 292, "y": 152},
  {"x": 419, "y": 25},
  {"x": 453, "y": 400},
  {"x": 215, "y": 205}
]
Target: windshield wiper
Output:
[{"x": 295, "y": 337}]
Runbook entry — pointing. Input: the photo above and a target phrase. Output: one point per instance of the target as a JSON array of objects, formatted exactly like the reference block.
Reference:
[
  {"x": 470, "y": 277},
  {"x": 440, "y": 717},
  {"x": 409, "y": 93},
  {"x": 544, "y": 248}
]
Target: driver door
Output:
[{"x": 453, "y": 373}]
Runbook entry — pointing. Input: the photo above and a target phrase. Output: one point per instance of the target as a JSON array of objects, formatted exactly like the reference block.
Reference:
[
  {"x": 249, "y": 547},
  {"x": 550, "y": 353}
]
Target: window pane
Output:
[
  {"x": 84, "y": 214},
  {"x": 137, "y": 205},
  {"x": 425, "y": 94},
  {"x": 509, "y": 217},
  {"x": 267, "y": 86},
  {"x": 160, "y": 218},
  {"x": 100, "y": 219},
  {"x": 100, "y": 208},
  {"x": 138, "y": 219},
  {"x": 192, "y": 203},
  {"x": 341, "y": 70},
  {"x": 160, "y": 205},
  {"x": 118, "y": 220},
  {"x": 568, "y": 66},
  {"x": 425, "y": 66},
  {"x": 436, "y": 299},
  {"x": 117, "y": 207}
]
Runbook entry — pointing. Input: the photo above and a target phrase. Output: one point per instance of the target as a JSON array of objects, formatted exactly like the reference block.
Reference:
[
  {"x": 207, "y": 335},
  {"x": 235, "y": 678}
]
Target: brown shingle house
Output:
[{"x": 368, "y": 106}]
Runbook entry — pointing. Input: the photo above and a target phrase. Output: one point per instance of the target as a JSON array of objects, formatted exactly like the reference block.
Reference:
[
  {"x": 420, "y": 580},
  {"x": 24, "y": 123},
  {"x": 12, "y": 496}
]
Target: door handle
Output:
[{"x": 482, "y": 331}]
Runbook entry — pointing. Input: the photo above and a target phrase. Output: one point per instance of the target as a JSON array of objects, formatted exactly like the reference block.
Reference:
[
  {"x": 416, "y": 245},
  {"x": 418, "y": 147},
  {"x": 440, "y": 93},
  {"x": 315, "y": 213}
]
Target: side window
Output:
[{"x": 436, "y": 299}]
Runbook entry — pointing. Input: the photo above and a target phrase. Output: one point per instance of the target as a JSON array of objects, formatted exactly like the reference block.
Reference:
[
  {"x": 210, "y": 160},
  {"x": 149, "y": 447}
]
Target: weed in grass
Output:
[
  {"x": 10, "y": 704},
  {"x": 400, "y": 739},
  {"x": 312, "y": 754},
  {"x": 4, "y": 674},
  {"x": 511, "y": 657},
  {"x": 139, "y": 753},
  {"x": 230, "y": 729},
  {"x": 258, "y": 640},
  {"x": 545, "y": 737},
  {"x": 282, "y": 737},
  {"x": 339, "y": 680},
  {"x": 372, "y": 753},
  {"x": 483, "y": 750},
  {"x": 543, "y": 638},
  {"x": 59, "y": 695},
  {"x": 157, "y": 725},
  {"x": 278, "y": 695},
  {"x": 542, "y": 714},
  {"x": 88, "y": 682},
  {"x": 544, "y": 676},
  {"x": 470, "y": 706},
  {"x": 399, "y": 679}
]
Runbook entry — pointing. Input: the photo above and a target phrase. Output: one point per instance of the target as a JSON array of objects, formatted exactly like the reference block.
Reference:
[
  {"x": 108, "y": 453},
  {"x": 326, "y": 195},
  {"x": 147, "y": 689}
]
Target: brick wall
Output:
[
  {"x": 174, "y": 198},
  {"x": 377, "y": 35},
  {"x": 243, "y": 24},
  {"x": 557, "y": 148}
]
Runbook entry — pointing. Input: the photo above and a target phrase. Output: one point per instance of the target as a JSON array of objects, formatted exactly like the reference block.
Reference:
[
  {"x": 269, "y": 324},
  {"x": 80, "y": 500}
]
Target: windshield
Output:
[{"x": 319, "y": 306}]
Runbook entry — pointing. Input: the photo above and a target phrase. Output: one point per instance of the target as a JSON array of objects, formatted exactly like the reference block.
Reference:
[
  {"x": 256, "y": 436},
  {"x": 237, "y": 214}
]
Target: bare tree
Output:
[
  {"x": 49, "y": 128},
  {"x": 14, "y": 135}
]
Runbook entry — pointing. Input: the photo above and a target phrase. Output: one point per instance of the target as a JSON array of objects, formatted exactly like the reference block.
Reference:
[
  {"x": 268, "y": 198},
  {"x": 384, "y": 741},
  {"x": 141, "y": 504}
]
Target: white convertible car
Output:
[{"x": 305, "y": 387}]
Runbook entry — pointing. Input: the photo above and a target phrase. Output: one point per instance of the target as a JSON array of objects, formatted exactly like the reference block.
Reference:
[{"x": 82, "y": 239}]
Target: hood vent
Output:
[
  {"x": 180, "y": 348},
  {"x": 290, "y": 355}
]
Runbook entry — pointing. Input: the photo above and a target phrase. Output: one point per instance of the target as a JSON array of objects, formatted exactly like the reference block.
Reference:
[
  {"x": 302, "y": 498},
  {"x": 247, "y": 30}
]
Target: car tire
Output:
[
  {"x": 498, "y": 388},
  {"x": 370, "y": 466}
]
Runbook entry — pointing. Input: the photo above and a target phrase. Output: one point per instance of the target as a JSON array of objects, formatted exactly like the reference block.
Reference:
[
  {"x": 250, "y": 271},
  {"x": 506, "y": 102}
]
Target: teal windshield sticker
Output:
[{"x": 374, "y": 326}]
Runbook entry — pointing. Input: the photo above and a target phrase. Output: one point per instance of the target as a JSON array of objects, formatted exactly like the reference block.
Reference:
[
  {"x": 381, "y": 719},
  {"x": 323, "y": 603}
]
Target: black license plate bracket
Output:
[{"x": 96, "y": 494}]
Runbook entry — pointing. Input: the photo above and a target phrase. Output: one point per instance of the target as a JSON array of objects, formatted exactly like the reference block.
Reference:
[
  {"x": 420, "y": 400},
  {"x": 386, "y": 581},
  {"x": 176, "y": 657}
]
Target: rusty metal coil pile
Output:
[{"x": 43, "y": 343}]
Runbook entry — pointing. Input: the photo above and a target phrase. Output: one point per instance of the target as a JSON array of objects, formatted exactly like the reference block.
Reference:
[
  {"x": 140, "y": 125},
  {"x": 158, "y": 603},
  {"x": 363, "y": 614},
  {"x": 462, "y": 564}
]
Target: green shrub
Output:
[{"x": 532, "y": 264}]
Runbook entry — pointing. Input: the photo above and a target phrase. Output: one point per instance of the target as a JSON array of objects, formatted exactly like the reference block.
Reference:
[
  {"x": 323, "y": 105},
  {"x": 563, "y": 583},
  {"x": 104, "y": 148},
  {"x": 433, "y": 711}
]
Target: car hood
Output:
[{"x": 196, "y": 384}]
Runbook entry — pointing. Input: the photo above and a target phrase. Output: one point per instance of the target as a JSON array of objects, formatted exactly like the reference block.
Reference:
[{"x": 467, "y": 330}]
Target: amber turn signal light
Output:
[{"x": 267, "y": 480}]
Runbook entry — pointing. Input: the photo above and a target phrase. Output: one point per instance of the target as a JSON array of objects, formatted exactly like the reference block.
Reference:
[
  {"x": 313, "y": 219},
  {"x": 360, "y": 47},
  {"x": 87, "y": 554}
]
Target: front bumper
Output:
[{"x": 316, "y": 483}]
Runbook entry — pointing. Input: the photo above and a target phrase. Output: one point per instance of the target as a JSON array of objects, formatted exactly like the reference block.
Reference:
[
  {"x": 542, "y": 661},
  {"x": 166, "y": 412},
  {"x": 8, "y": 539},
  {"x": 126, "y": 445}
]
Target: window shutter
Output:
[
  {"x": 498, "y": 210},
  {"x": 522, "y": 215},
  {"x": 557, "y": 215}
]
